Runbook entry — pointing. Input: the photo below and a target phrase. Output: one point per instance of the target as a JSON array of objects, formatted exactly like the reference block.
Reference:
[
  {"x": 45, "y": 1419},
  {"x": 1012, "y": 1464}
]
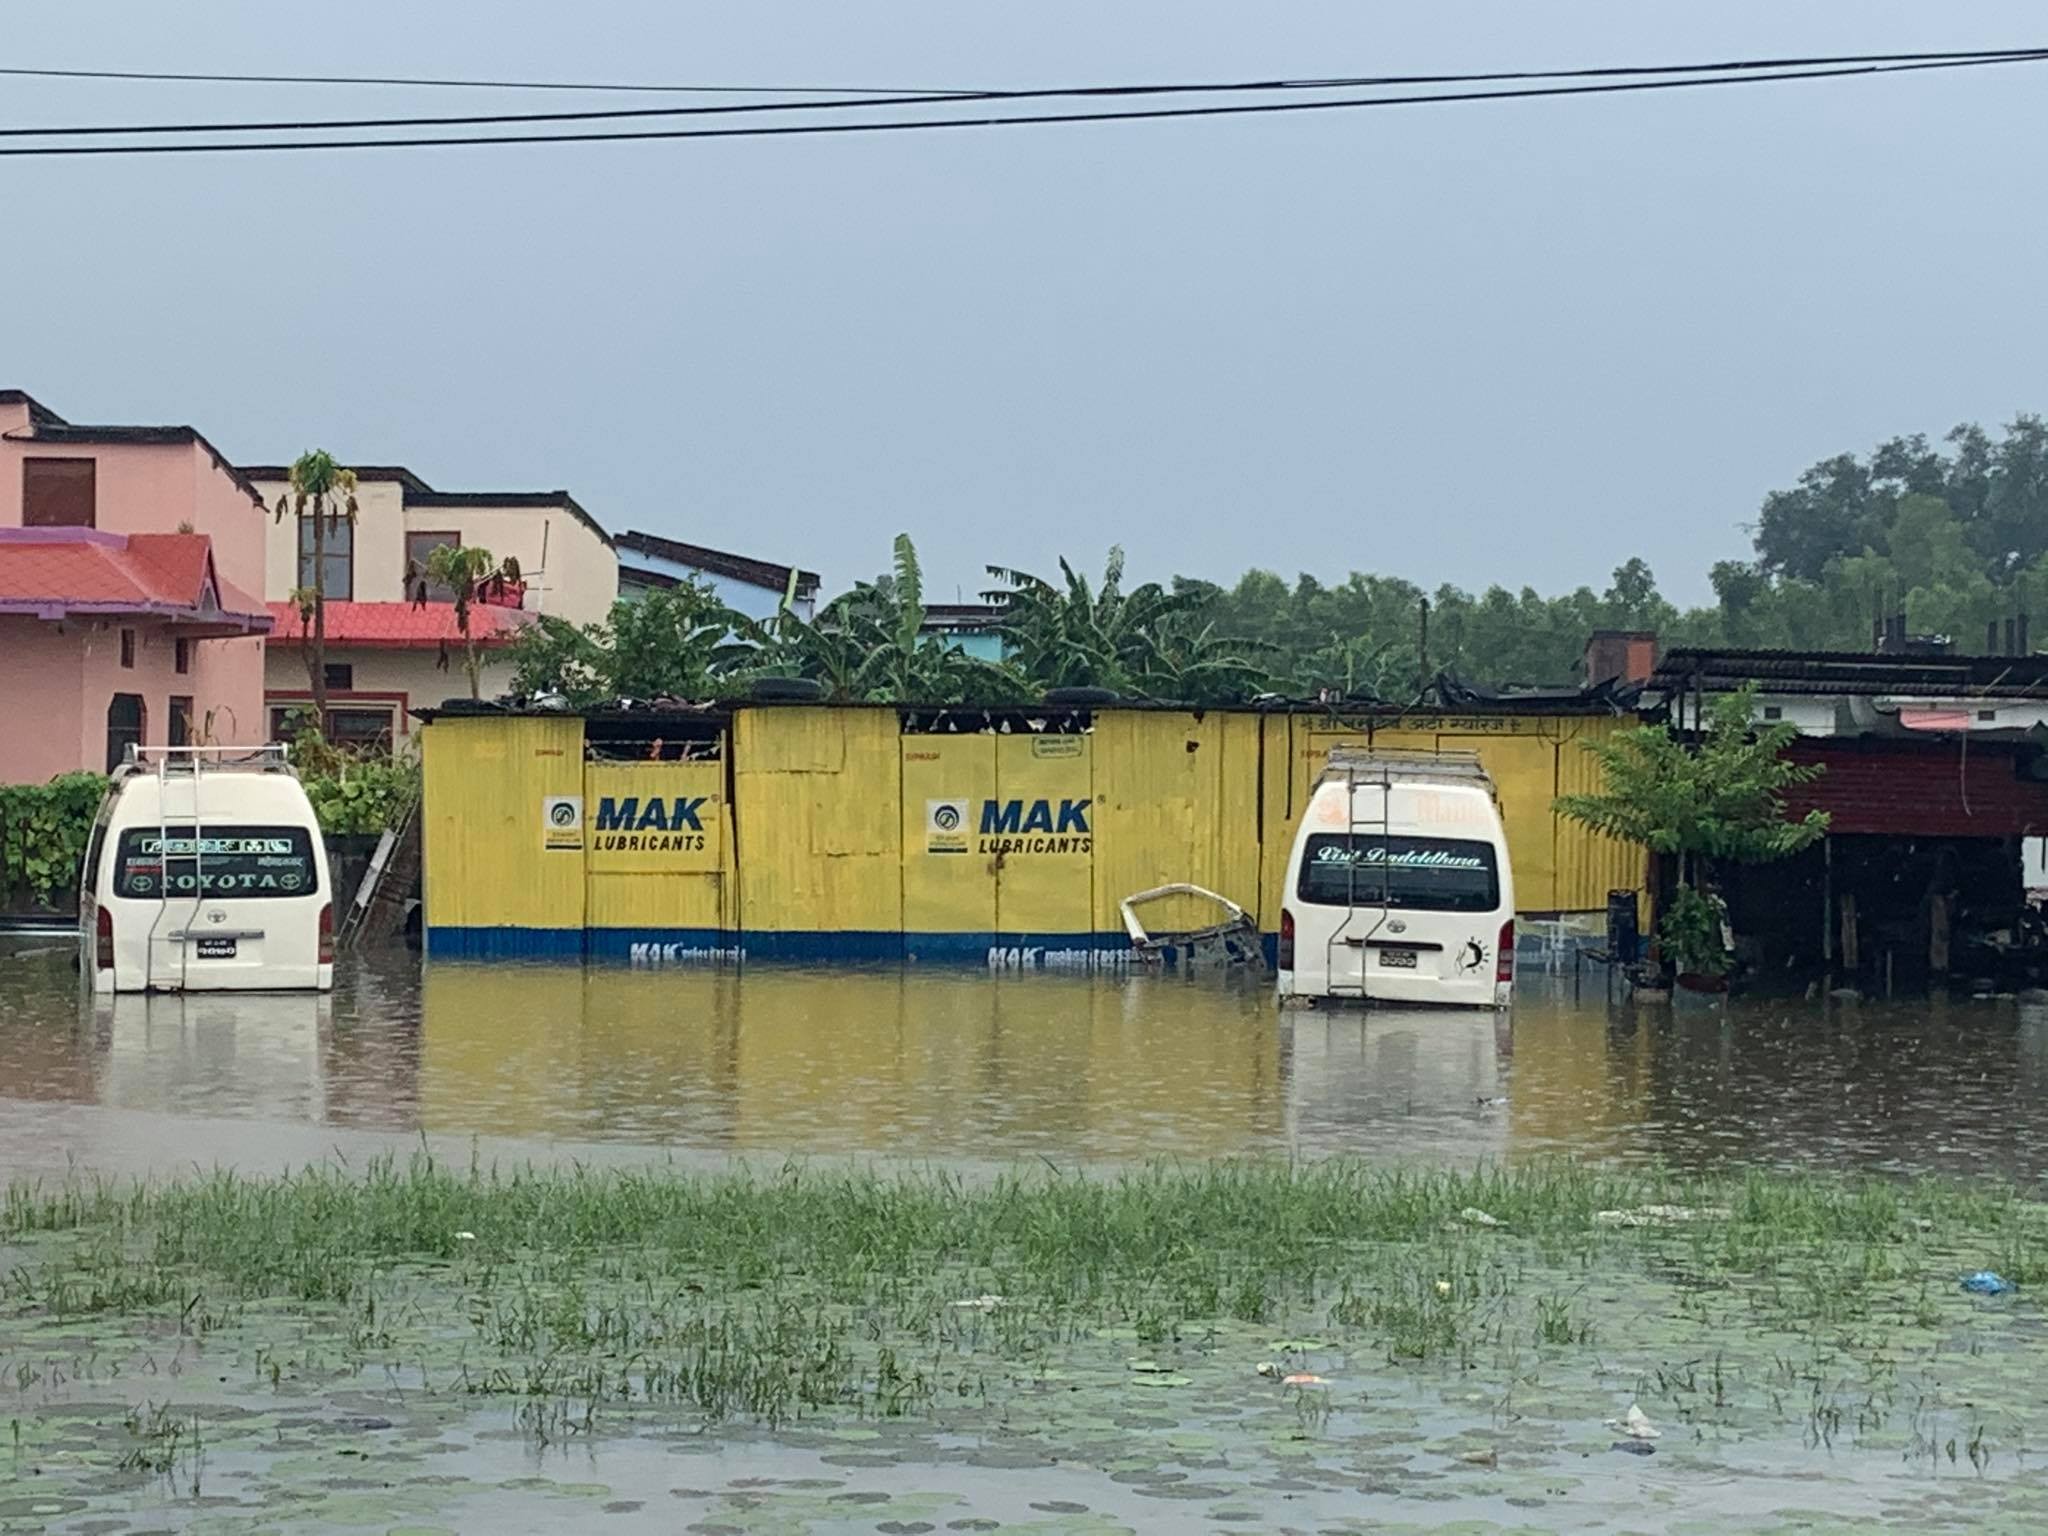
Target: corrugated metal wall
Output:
[
  {"x": 492, "y": 885},
  {"x": 846, "y": 833}
]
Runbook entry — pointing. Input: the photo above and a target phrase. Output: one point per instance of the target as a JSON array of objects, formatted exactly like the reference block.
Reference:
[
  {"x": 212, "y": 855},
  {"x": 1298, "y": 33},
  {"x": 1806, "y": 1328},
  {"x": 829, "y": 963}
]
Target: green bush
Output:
[
  {"x": 44, "y": 829},
  {"x": 355, "y": 794}
]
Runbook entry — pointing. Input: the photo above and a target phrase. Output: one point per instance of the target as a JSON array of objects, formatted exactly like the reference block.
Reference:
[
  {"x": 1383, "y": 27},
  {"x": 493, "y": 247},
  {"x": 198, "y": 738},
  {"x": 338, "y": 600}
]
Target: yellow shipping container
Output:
[{"x": 867, "y": 833}]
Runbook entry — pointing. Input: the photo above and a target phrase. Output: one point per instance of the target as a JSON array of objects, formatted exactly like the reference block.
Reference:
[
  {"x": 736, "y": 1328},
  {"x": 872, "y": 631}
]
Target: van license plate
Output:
[
  {"x": 224, "y": 949},
  {"x": 1397, "y": 959}
]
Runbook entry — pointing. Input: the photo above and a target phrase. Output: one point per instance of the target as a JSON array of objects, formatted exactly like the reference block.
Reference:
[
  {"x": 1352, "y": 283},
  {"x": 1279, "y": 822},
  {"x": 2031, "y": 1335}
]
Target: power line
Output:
[
  {"x": 449, "y": 83},
  {"x": 1742, "y": 68},
  {"x": 903, "y": 125},
  {"x": 479, "y": 85}
]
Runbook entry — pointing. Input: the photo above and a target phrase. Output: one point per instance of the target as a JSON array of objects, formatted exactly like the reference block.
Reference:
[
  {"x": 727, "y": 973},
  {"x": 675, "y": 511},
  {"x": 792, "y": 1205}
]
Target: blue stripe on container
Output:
[
  {"x": 679, "y": 946},
  {"x": 505, "y": 943}
]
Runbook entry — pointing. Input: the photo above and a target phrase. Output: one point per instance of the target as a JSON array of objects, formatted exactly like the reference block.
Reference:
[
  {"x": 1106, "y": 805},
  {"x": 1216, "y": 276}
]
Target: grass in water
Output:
[{"x": 773, "y": 1297}]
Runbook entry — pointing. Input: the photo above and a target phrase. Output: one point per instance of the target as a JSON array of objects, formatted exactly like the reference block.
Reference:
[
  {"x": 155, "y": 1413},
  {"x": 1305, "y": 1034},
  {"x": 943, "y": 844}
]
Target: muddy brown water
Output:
[
  {"x": 956, "y": 1066},
  {"x": 970, "y": 1071}
]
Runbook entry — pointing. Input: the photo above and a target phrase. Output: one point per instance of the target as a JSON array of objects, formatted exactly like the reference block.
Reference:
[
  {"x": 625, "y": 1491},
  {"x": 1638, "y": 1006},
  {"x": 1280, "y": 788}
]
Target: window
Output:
[
  {"x": 1426, "y": 874},
  {"x": 1774, "y": 712},
  {"x": 57, "y": 493},
  {"x": 125, "y": 721},
  {"x": 340, "y": 675},
  {"x": 181, "y": 656},
  {"x": 227, "y": 862},
  {"x": 339, "y": 537},
  {"x": 128, "y": 648},
  {"x": 1987, "y": 714},
  {"x": 181, "y": 720},
  {"x": 356, "y": 726},
  {"x": 418, "y": 546},
  {"x": 359, "y": 727}
]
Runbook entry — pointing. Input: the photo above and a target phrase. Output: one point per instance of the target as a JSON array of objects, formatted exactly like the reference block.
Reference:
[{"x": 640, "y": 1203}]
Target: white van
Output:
[
  {"x": 206, "y": 872},
  {"x": 1399, "y": 888}
]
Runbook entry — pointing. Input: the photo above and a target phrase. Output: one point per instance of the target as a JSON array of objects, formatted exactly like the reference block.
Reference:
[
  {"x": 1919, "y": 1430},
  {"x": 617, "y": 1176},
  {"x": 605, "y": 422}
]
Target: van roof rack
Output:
[
  {"x": 271, "y": 757},
  {"x": 1383, "y": 764}
]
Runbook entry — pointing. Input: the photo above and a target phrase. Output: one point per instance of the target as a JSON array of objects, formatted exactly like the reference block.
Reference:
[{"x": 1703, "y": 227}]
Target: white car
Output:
[
  {"x": 206, "y": 872},
  {"x": 1399, "y": 888}
]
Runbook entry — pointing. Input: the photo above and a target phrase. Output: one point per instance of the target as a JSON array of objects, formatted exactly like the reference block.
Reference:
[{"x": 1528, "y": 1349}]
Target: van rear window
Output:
[
  {"x": 1423, "y": 874},
  {"x": 227, "y": 862}
]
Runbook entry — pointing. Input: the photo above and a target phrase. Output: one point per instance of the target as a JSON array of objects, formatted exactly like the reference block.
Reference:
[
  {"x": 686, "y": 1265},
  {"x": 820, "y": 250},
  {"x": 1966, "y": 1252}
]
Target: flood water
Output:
[
  {"x": 971, "y": 1071},
  {"x": 965, "y": 1068}
]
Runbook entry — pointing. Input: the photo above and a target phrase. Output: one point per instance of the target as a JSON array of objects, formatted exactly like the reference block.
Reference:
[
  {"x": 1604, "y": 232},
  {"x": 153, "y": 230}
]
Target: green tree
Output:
[
  {"x": 869, "y": 645},
  {"x": 1145, "y": 643},
  {"x": 322, "y": 497},
  {"x": 675, "y": 642},
  {"x": 471, "y": 576},
  {"x": 1717, "y": 798}
]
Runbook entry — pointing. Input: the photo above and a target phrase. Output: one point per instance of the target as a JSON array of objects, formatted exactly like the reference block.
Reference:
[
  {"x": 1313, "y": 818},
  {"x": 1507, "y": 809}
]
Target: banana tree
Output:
[{"x": 322, "y": 497}]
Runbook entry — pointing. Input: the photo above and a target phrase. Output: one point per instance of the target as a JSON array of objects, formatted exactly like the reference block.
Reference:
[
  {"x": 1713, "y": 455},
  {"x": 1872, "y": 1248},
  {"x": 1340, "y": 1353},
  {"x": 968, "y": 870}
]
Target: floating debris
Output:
[
  {"x": 1267, "y": 1368},
  {"x": 1500, "y": 1101},
  {"x": 1987, "y": 1282},
  {"x": 1486, "y": 1458},
  {"x": 982, "y": 1303},
  {"x": 1295, "y": 1346},
  {"x": 1636, "y": 1424},
  {"x": 465, "y": 1237},
  {"x": 1478, "y": 1218},
  {"x": 1661, "y": 1215},
  {"x": 1634, "y": 1447},
  {"x": 1443, "y": 1287},
  {"x": 1303, "y": 1379}
]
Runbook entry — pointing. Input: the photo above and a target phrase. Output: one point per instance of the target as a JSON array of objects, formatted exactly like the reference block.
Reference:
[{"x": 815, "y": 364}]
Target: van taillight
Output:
[
  {"x": 1504, "y": 968},
  {"x": 326, "y": 933},
  {"x": 103, "y": 937},
  {"x": 1286, "y": 956}
]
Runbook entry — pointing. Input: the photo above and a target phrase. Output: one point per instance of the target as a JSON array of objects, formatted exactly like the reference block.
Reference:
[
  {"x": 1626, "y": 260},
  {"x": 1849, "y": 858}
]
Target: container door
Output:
[
  {"x": 657, "y": 836},
  {"x": 949, "y": 878},
  {"x": 1039, "y": 833}
]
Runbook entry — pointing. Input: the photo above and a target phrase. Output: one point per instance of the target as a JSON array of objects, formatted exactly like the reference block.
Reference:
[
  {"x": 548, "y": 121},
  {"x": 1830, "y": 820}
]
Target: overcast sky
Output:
[{"x": 1510, "y": 342}]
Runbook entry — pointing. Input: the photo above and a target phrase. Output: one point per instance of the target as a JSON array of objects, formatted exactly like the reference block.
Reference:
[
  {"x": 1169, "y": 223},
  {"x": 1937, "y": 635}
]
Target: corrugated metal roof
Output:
[{"x": 1853, "y": 672}]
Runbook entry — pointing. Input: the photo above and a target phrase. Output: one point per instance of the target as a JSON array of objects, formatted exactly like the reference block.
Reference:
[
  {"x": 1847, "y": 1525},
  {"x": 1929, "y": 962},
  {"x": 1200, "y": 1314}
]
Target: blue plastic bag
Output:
[{"x": 1987, "y": 1283}]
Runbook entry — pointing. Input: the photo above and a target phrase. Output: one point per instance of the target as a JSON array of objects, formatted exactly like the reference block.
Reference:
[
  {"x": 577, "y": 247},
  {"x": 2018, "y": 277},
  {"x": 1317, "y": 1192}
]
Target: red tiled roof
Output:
[
  {"x": 58, "y": 573},
  {"x": 403, "y": 626}
]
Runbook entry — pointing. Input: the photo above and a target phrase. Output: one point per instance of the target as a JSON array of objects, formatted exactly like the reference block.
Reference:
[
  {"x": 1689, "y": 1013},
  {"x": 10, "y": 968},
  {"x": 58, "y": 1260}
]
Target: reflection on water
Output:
[{"x": 962, "y": 1066}]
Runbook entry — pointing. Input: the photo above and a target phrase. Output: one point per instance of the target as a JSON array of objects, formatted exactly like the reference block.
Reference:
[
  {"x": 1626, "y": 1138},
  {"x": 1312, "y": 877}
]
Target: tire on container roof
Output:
[
  {"x": 788, "y": 690},
  {"x": 1082, "y": 696}
]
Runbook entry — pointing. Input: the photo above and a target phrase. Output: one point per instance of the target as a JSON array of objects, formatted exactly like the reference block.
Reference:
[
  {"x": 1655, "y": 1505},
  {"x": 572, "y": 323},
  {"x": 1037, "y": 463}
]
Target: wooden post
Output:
[
  {"x": 1851, "y": 956},
  {"x": 1937, "y": 933}
]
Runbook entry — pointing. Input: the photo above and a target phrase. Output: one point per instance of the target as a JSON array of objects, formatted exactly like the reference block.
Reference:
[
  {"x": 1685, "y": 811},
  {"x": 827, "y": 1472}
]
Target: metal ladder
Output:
[
  {"x": 1354, "y": 827},
  {"x": 168, "y": 766}
]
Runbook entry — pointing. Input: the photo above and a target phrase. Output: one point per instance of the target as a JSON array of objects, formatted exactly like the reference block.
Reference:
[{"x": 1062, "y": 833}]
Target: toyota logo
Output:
[{"x": 216, "y": 916}]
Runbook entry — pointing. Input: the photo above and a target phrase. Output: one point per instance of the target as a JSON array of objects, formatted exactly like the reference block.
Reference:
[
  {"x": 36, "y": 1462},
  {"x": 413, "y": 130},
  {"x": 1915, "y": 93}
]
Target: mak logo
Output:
[
  {"x": 657, "y": 824},
  {"x": 1035, "y": 826}
]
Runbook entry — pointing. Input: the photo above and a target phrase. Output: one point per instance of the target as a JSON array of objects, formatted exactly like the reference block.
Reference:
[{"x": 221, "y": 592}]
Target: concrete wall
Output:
[
  {"x": 66, "y": 673},
  {"x": 578, "y": 582},
  {"x": 832, "y": 845},
  {"x": 740, "y": 596},
  {"x": 407, "y": 679}
]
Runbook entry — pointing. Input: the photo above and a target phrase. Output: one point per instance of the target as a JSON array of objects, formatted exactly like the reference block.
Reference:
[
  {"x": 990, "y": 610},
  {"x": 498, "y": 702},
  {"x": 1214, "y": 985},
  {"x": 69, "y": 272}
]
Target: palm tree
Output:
[
  {"x": 321, "y": 490},
  {"x": 472, "y": 576}
]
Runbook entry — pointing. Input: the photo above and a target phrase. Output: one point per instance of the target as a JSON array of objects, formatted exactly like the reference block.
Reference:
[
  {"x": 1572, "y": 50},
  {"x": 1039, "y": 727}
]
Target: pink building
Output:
[{"x": 130, "y": 563}]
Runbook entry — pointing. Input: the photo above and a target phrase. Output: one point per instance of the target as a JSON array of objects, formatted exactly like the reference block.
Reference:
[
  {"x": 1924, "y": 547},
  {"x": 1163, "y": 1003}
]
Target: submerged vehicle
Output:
[
  {"x": 1399, "y": 888},
  {"x": 206, "y": 872}
]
